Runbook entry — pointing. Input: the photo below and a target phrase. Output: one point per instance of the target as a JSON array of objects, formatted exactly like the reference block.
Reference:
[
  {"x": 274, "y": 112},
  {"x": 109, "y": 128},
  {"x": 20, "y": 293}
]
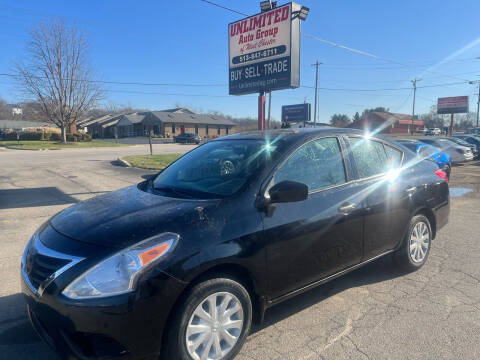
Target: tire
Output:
[
  {"x": 409, "y": 257},
  {"x": 177, "y": 342}
]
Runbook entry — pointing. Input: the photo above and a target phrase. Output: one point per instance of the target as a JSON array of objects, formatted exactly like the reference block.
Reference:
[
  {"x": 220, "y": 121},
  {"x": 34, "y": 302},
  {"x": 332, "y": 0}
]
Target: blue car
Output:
[{"x": 431, "y": 152}]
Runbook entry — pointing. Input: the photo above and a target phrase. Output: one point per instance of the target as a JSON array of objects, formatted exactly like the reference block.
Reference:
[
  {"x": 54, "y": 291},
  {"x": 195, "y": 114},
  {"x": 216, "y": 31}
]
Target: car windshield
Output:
[
  {"x": 216, "y": 169},
  {"x": 460, "y": 141}
]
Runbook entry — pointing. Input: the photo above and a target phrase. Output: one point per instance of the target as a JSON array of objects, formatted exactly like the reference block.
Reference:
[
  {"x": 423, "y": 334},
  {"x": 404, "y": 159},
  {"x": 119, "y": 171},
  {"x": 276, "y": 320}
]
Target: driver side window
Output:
[{"x": 317, "y": 164}]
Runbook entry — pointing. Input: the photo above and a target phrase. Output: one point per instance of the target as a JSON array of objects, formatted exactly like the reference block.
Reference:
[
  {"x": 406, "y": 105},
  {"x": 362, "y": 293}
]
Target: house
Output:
[
  {"x": 388, "y": 123},
  {"x": 22, "y": 125},
  {"x": 166, "y": 123},
  {"x": 170, "y": 124}
]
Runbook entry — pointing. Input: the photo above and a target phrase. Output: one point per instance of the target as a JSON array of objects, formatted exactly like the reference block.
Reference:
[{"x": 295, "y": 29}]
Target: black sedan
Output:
[
  {"x": 180, "y": 265},
  {"x": 187, "y": 138}
]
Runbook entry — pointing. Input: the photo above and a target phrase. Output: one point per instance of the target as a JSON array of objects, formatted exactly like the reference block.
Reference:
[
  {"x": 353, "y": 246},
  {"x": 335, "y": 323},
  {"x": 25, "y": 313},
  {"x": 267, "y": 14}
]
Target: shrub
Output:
[
  {"x": 55, "y": 137},
  {"x": 86, "y": 137},
  {"x": 31, "y": 136}
]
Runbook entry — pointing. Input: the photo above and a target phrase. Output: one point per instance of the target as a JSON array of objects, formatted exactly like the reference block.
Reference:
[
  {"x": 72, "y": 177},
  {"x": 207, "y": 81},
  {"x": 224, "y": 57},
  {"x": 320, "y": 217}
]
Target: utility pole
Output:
[
  {"x": 414, "y": 82},
  {"x": 316, "y": 92},
  {"x": 269, "y": 107},
  {"x": 478, "y": 100}
]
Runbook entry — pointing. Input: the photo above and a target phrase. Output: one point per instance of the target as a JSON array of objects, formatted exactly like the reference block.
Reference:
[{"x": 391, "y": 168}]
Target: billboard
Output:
[
  {"x": 452, "y": 105},
  {"x": 264, "y": 51},
  {"x": 296, "y": 113}
]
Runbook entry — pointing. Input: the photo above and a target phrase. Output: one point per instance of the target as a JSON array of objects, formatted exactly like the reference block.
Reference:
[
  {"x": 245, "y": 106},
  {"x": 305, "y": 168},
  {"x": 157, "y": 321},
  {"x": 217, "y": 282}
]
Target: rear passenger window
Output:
[
  {"x": 317, "y": 164},
  {"x": 394, "y": 156},
  {"x": 369, "y": 156}
]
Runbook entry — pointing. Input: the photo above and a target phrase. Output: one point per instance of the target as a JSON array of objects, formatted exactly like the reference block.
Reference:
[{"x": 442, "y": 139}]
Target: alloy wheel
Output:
[
  {"x": 214, "y": 327},
  {"x": 419, "y": 242}
]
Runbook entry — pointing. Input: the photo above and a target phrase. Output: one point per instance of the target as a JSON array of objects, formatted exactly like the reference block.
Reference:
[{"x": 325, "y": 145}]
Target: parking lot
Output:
[{"x": 376, "y": 312}]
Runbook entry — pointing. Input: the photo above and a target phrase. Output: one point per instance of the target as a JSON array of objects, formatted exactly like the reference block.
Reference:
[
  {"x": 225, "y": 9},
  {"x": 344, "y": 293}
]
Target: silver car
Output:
[{"x": 458, "y": 153}]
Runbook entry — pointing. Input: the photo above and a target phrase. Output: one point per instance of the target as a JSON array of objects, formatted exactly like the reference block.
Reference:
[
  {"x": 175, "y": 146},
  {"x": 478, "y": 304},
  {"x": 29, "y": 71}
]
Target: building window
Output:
[
  {"x": 206, "y": 129},
  {"x": 173, "y": 128},
  {"x": 226, "y": 130},
  {"x": 218, "y": 130},
  {"x": 196, "y": 129}
]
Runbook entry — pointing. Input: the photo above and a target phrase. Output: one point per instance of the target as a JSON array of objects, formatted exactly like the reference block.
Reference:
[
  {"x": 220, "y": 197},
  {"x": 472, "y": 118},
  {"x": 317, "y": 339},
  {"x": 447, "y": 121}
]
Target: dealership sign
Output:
[
  {"x": 452, "y": 105},
  {"x": 264, "y": 51},
  {"x": 296, "y": 113}
]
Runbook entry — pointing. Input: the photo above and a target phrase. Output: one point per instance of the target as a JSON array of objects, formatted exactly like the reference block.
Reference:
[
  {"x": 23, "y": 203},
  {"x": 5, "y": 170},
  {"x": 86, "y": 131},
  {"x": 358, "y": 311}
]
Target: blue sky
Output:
[{"x": 186, "y": 42}]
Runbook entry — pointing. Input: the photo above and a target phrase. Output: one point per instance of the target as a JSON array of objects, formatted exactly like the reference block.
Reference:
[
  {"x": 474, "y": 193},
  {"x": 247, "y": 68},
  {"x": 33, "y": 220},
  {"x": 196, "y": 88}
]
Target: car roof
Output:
[{"x": 295, "y": 134}]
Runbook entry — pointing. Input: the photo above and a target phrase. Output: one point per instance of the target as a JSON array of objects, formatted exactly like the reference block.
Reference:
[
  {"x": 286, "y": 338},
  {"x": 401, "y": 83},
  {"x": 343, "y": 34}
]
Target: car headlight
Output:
[{"x": 116, "y": 275}]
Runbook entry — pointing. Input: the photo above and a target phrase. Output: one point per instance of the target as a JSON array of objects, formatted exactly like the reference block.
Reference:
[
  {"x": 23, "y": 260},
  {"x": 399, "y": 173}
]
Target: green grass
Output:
[
  {"x": 154, "y": 162},
  {"x": 35, "y": 145}
]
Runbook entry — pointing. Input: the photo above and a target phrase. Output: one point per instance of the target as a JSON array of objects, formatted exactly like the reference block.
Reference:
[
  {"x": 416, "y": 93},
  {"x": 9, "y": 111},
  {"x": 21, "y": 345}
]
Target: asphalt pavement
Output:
[{"x": 376, "y": 312}]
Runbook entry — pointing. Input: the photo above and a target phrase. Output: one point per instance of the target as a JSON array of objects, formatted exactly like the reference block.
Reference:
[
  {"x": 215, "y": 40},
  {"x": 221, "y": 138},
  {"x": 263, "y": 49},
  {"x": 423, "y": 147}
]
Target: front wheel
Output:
[
  {"x": 211, "y": 323},
  {"x": 416, "y": 246}
]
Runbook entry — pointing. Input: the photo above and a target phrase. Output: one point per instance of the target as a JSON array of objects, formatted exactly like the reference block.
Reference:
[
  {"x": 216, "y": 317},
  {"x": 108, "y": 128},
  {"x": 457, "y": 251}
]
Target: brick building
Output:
[
  {"x": 167, "y": 123},
  {"x": 388, "y": 123}
]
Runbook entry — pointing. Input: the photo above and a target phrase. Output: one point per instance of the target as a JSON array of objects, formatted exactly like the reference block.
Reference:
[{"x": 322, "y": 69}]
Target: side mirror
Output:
[{"x": 288, "y": 191}]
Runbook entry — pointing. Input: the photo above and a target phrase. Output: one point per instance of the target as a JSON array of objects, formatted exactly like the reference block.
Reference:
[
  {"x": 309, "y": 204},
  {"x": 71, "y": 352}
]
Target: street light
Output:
[
  {"x": 301, "y": 14},
  {"x": 267, "y": 5}
]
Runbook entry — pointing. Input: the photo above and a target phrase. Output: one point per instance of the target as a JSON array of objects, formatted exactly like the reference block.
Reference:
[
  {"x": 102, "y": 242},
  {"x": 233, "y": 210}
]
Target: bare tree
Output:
[
  {"x": 5, "y": 112},
  {"x": 56, "y": 74}
]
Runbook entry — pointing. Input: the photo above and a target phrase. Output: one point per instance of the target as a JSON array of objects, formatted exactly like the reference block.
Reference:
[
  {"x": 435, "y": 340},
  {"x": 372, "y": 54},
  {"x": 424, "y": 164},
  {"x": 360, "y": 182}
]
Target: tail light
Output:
[
  {"x": 441, "y": 174},
  {"x": 460, "y": 151}
]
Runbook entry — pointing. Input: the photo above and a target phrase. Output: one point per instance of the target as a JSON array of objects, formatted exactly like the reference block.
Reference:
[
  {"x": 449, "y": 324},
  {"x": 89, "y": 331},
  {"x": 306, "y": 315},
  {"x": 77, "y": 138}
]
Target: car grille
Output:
[{"x": 40, "y": 267}]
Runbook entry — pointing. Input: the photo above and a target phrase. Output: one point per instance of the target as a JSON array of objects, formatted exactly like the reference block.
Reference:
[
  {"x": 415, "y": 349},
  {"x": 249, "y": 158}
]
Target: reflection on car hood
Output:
[{"x": 124, "y": 217}]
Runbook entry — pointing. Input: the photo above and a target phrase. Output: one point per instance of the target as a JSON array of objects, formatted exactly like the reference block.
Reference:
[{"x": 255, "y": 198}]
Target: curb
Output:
[{"x": 124, "y": 163}]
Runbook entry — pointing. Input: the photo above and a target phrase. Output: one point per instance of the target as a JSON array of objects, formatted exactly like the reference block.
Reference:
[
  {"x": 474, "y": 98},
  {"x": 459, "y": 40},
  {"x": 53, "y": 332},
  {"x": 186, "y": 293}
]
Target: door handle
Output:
[{"x": 346, "y": 208}]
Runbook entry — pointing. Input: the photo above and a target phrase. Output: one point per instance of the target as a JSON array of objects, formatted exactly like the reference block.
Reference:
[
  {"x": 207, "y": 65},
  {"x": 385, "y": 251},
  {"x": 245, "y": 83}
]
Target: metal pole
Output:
[
  {"x": 269, "y": 107},
  {"x": 316, "y": 92},
  {"x": 261, "y": 110},
  {"x": 451, "y": 124},
  {"x": 478, "y": 102},
  {"x": 414, "y": 82}
]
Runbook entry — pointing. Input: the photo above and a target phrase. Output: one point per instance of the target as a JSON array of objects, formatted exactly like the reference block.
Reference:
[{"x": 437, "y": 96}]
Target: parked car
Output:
[
  {"x": 182, "y": 264},
  {"x": 474, "y": 131},
  {"x": 471, "y": 139},
  {"x": 426, "y": 151},
  {"x": 433, "y": 131},
  {"x": 187, "y": 138},
  {"x": 457, "y": 152},
  {"x": 460, "y": 141}
]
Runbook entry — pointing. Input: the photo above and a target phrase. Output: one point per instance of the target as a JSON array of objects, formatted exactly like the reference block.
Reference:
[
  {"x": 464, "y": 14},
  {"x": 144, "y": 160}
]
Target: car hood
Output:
[{"x": 125, "y": 217}]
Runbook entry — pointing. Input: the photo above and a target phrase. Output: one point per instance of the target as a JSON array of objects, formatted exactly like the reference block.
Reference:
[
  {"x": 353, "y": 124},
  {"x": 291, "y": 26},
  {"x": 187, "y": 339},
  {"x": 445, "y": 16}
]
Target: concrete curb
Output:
[
  {"x": 14, "y": 148},
  {"x": 124, "y": 163}
]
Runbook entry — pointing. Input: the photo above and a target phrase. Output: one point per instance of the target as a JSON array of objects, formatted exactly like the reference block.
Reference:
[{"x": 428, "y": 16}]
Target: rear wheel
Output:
[
  {"x": 416, "y": 245},
  {"x": 212, "y": 322}
]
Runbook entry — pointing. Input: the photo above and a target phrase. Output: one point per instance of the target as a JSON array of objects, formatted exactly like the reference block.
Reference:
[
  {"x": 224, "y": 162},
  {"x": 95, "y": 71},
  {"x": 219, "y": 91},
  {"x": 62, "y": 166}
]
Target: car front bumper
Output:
[{"x": 128, "y": 326}]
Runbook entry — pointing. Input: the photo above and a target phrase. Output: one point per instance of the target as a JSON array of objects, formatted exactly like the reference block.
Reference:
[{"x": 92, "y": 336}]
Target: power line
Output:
[
  {"x": 123, "y": 82},
  {"x": 224, "y": 7},
  {"x": 357, "y": 51},
  {"x": 211, "y": 85}
]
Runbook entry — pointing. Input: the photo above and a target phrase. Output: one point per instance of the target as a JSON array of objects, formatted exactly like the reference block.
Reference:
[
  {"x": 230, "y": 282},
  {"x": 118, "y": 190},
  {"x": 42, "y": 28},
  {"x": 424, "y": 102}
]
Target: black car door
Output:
[
  {"x": 312, "y": 239},
  {"x": 385, "y": 190}
]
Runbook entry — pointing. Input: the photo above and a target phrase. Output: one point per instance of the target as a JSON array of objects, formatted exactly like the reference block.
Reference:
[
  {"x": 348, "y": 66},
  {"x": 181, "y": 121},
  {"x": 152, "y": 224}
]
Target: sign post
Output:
[
  {"x": 261, "y": 111},
  {"x": 264, "y": 53},
  {"x": 452, "y": 105}
]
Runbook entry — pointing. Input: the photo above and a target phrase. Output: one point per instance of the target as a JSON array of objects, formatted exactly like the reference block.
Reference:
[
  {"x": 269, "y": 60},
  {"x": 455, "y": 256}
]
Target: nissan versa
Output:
[{"x": 180, "y": 265}]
